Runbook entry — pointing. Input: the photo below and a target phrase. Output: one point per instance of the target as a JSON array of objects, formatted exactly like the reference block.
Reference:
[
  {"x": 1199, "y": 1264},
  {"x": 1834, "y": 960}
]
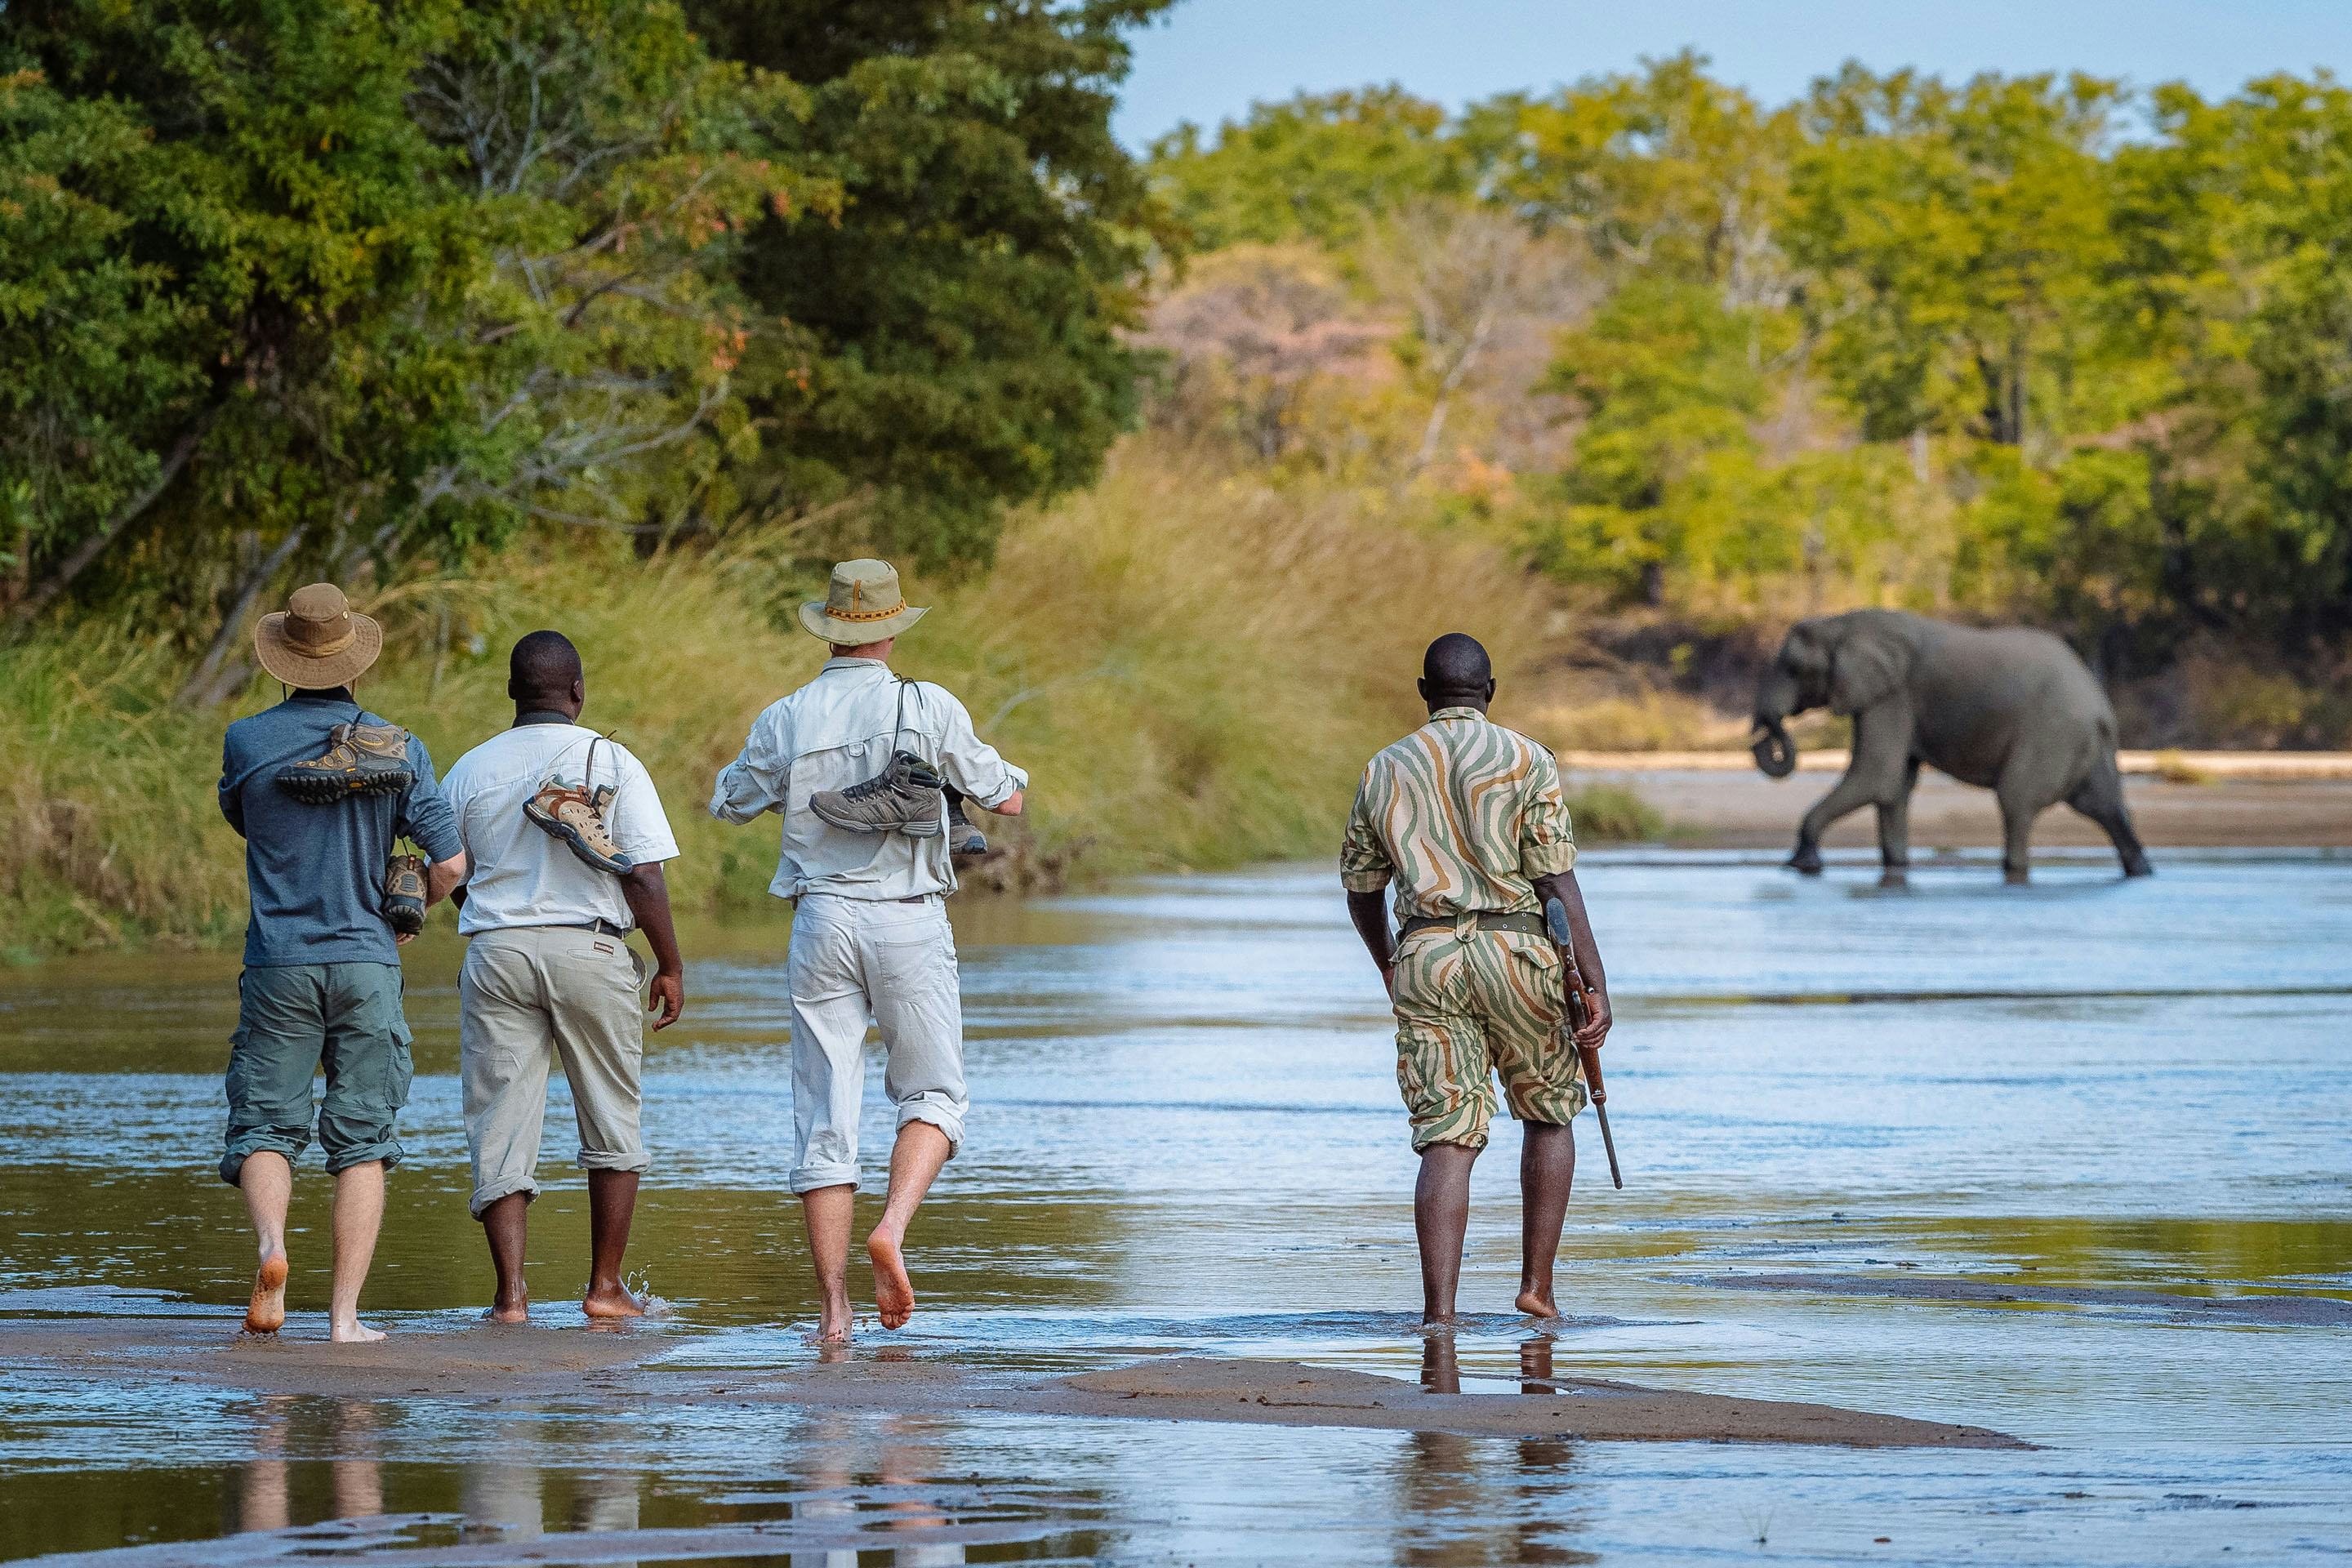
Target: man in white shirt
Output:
[
  {"x": 870, "y": 933},
  {"x": 549, "y": 904}
]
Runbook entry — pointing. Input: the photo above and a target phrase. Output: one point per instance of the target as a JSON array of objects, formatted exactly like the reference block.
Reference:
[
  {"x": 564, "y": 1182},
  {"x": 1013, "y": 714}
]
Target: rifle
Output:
[{"x": 1580, "y": 1013}]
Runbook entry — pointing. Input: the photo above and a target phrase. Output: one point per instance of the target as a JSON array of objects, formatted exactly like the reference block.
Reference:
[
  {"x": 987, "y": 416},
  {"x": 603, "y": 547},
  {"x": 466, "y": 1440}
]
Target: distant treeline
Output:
[
  {"x": 2024, "y": 345},
  {"x": 313, "y": 288}
]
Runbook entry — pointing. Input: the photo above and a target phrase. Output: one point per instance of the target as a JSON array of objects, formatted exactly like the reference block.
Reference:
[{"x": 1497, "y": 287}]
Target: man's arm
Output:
[
  {"x": 232, "y": 794},
  {"x": 442, "y": 877},
  {"x": 755, "y": 780},
  {"x": 1562, "y": 885},
  {"x": 970, "y": 764},
  {"x": 1370, "y": 913},
  {"x": 647, "y": 892},
  {"x": 1011, "y": 804}
]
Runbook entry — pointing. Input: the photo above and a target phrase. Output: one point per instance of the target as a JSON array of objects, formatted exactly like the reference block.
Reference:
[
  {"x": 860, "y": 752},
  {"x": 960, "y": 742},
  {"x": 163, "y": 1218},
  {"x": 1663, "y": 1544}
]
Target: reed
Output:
[{"x": 1193, "y": 667}]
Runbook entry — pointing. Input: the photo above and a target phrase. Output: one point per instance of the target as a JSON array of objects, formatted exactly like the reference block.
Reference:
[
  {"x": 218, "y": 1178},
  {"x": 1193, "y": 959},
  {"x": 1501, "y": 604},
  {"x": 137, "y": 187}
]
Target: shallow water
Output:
[{"x": 2127, "y": 1102}]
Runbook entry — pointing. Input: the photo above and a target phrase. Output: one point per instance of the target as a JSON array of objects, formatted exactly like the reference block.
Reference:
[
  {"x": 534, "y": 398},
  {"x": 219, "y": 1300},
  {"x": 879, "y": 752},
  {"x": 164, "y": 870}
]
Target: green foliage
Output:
[
  {"x": 949, "y": 342},
  {"x": 307, "y": 288},
  {"x": 1318, "y": 166}
]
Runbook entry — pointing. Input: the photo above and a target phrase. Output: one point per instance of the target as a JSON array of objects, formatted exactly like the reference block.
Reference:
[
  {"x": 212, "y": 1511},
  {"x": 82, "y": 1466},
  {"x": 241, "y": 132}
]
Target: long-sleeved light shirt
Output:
[{"x": 837, "y": 731}]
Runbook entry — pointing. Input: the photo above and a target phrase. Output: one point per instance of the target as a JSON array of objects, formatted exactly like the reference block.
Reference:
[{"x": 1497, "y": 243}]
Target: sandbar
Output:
[{"x": 493, "y": 1363}]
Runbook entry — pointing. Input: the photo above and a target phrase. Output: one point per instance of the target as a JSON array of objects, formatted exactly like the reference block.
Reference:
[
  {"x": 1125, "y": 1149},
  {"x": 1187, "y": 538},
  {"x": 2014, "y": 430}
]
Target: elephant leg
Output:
[
  {"x": 2100, "y": 797},
  {"x": 1895, "y": 823},
  {"x": 2018, "y": 808},
  {"x": 1881, "y": 743}
]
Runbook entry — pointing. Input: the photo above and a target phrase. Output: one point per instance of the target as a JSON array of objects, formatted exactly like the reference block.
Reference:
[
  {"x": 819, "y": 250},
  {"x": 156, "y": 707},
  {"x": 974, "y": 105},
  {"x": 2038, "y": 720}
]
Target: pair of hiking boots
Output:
[{"x": 907, "y": 796}]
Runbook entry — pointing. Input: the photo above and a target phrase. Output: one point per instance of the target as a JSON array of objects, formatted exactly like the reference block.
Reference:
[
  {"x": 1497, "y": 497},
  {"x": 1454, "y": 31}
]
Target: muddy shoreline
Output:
[
  {"x": 1740, "y": 808},
  {"x": 494, "y": 1364}
]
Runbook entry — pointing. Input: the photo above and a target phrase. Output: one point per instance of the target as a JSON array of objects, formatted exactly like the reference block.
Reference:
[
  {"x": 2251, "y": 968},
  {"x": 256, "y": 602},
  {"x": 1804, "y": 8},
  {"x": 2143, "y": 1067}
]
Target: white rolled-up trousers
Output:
[{"x": 852, "y": 961}]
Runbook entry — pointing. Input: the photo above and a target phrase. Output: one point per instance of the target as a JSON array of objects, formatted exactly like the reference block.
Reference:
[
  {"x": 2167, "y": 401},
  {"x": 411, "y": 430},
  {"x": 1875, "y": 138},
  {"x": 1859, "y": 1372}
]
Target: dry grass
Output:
[{"x": 1192, "y": 667}]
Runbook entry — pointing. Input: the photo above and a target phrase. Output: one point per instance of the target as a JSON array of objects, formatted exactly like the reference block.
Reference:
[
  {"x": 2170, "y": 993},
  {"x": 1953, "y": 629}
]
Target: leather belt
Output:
[
  {"x": 1487, "y": 920},
  {"x": 601, "y": 927}
]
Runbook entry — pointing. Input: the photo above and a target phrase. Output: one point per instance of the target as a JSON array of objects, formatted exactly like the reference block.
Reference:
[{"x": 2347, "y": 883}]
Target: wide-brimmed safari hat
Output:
[
  {"x": 317, "y": 640},
  {"x": 863, "y": 604}
]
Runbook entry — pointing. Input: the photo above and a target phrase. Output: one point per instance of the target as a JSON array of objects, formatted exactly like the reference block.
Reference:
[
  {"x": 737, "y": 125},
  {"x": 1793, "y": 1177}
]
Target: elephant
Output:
[{"x": 2008, "y": 709}]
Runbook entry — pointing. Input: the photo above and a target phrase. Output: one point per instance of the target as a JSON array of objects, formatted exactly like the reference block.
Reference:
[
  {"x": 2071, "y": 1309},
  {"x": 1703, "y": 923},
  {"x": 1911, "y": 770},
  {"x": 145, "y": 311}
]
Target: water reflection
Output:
[{"x": 347, "y": 1429}]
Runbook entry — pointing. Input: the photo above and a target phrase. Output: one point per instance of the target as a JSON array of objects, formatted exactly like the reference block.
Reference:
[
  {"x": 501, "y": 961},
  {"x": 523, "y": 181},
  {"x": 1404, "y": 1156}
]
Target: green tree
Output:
[
  {"x": 951, "y": 340},
  {"x": 1318, "y": 166}
]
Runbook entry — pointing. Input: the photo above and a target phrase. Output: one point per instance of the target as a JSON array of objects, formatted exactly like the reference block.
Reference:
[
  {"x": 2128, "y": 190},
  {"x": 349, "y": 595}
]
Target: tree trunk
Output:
[
  {"x": 77, "y": 561},
  {"x": 218, "y": 677}
]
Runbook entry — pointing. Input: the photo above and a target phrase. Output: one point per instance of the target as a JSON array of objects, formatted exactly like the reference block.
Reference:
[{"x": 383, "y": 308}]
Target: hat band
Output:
[
  {"x": 832, "y": 614},
  {"x": 328, "y": 649}
]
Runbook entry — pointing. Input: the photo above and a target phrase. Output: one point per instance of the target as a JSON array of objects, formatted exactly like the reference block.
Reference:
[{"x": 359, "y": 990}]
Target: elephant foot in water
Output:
[
  {"x": 1895, "y": 874},
  {"x": 1807, "y": 860}
]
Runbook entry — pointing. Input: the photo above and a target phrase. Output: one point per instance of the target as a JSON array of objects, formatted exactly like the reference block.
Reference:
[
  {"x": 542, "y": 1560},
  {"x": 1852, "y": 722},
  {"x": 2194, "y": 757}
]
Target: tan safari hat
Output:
[
  {"x": 317, "y": 640},
  {"x": 863, "y": 604}
]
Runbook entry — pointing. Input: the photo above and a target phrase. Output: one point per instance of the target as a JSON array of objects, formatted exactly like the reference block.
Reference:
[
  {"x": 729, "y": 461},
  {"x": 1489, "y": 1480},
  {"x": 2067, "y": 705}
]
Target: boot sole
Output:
[
  {"x": 911, "y": 830},
  {"x": 555, "y": 828},
  {"x": 326, "y": 789}
]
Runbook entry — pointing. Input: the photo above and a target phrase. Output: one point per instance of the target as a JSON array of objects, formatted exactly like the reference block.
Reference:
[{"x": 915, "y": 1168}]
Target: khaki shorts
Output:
[
  {"x": 1468, "y": 1009},
  {"x": 526, "y": 995}
]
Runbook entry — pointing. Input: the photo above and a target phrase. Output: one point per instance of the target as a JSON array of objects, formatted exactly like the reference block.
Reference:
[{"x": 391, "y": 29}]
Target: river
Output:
[{"x": 2070, "y": 1160}]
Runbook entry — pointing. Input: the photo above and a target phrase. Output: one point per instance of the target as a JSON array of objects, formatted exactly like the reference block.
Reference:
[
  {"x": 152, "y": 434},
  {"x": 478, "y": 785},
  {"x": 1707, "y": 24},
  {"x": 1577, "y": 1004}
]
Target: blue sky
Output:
[{"x": 1213, "y": 57}]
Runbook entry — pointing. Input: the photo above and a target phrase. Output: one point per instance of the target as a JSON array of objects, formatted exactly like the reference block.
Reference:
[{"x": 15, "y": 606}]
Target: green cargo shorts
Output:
[{"x": 293, "y": 1019}]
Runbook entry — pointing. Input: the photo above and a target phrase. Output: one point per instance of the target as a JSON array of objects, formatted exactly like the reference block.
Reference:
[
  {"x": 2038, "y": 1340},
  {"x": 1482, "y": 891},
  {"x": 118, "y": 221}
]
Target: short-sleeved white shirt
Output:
[{"x": 520, "y": 874}]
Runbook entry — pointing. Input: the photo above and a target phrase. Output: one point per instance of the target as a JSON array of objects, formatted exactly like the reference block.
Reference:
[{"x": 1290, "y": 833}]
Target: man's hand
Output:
[
  {"x": 1388, "y": 979},
  {"x": 667, "y": 996},
  {"x": 1595, "y": 1032},
  {"x": 402, "y": 939}
]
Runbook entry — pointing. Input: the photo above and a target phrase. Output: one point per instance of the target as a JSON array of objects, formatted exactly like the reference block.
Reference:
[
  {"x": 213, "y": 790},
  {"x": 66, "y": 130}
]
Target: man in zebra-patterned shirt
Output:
[{"x": 1466, "y": 818}]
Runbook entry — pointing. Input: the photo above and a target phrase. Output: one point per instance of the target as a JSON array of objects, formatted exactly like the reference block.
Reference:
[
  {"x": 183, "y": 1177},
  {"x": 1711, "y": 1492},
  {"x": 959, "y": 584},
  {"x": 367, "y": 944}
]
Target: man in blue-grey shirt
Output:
[{"x": 322, "y": 790}]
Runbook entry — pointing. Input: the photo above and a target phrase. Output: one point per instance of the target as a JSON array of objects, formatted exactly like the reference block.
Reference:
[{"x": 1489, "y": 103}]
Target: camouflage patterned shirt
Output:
[{"x": 1462, "y": 815}]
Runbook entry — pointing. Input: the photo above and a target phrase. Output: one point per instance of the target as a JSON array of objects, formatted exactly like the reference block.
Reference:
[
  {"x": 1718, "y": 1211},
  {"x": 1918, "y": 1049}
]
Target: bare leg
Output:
[
  {"x": 1441, "y": 1214},
  {"x": 829, "y": 1211},
  {"x": 1547, "y": 1170},
  {"x": 359, "y": 1214},
  {"x": 507, "y": 1224},
  {"x": 268, "y": 1181},
  {"x": 611, "y": 1206},
  {"x": 915, "y": 1161}
]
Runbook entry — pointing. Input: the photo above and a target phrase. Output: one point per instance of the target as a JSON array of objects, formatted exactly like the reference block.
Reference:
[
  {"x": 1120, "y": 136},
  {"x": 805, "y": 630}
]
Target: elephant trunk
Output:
[
  {"x": 1777, "y": 695},
  {"x": 1775, "y": 752}
]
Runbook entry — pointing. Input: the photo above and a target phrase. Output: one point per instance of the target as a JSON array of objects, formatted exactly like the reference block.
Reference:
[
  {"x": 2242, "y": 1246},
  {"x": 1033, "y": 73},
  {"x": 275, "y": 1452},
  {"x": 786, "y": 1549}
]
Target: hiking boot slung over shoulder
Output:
[
  {"x": 965, "y": 839},
  {"x": 904, "y": 797},
  {"x": 359, "y": 759},
  {"x": 577, "y": 817}
]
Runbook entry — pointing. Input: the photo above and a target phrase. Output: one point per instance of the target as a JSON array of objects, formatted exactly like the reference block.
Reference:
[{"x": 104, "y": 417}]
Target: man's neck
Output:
[
  {"x": 321, "y": 694},
  {"x": 539, "y": 713},
  {"x": 1476, "y": 707}
]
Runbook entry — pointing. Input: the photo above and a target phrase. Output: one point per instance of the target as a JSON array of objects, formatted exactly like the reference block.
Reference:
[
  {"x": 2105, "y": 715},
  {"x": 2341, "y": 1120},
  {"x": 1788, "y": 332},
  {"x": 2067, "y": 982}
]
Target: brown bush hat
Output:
[
  {"x": 317, "y": 641},
  {"x": 863, "y": 604}
]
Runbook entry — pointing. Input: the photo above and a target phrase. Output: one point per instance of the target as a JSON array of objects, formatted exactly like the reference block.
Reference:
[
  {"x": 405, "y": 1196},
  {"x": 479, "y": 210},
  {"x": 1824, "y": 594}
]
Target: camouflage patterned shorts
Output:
[{"x": 1469, "y": 1010}]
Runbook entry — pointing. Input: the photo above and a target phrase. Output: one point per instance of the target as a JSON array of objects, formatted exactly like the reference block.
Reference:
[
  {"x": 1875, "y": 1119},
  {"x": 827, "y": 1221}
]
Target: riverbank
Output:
[{"x": 1192, "y": 663}]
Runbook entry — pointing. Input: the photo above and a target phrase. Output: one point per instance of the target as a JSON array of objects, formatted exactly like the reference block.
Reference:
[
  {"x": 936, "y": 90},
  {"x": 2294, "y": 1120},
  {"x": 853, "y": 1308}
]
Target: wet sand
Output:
[
  {"x": 1740, "y": 808},
  {"x": 497, "y": 1363},
  {"x": 2300, "y": 1311}
]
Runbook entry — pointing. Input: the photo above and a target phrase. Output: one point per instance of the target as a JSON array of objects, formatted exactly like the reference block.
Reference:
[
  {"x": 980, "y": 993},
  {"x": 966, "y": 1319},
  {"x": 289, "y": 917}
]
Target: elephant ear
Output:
[{"x": 1867, "y": 667}]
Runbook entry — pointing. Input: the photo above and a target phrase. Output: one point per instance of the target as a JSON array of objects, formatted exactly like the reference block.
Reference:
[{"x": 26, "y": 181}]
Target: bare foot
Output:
[
  {"x": 1537, "y": 1303},
  {"x": 610, "y": 1301},
  {"x": 354, "y": 1334},
  {"x": 894, "y": 1293},
  {"x": 507, "y": 1312},
  {"x": 265, "y": 1313}
]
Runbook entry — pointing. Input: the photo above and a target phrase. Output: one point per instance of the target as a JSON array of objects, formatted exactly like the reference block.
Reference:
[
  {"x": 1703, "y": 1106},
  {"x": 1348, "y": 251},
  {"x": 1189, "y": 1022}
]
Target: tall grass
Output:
[{"x": 1192, "y": 666}]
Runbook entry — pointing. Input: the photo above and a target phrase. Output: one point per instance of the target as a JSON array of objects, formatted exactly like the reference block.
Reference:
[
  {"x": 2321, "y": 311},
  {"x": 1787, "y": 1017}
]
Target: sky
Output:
[{"x": 1210, "y": 59}]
